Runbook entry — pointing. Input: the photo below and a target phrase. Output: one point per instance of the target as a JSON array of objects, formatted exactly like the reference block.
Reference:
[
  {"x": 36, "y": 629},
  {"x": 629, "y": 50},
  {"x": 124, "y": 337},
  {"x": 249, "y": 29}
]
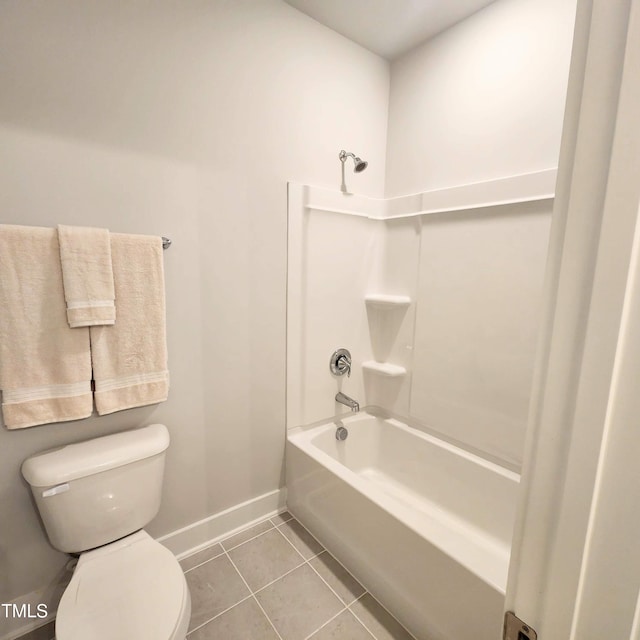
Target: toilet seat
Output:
[{"x": 133, "y": 588}]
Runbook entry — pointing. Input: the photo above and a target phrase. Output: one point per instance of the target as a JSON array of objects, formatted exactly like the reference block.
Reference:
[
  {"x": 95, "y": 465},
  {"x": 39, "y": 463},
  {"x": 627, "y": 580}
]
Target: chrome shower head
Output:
[{"x": 359, "y": 164}]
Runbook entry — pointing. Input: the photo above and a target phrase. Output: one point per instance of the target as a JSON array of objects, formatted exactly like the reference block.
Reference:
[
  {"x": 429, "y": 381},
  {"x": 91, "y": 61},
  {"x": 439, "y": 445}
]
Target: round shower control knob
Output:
[{"x": 340, "y": 362}]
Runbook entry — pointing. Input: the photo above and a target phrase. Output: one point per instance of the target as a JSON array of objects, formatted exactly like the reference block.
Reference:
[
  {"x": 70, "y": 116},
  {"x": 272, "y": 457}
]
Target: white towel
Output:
[
  {"x": 45, "y": 366},
  {"x": 87, "y": 275},
  {"x": 130, "y": 357}
]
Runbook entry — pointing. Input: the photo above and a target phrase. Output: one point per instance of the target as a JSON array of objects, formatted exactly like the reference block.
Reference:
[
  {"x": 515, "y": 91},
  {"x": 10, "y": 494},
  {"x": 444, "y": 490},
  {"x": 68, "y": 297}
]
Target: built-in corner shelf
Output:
[
  {"x": 384, "y": 301},
  {"x": 384, "y": 368}
]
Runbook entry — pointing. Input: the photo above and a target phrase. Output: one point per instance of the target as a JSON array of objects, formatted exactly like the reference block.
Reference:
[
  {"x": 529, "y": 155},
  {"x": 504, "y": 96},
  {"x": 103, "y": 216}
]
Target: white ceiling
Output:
[{"x": 389, "y": 27}]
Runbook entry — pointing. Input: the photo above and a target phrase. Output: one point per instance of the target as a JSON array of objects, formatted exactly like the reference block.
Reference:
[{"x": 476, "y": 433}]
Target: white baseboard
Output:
[{"x": 199, "y": 535}]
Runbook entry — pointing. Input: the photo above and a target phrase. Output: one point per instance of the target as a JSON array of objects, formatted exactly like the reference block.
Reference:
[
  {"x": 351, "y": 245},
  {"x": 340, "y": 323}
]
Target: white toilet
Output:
[{"x": 94, "y": 498}]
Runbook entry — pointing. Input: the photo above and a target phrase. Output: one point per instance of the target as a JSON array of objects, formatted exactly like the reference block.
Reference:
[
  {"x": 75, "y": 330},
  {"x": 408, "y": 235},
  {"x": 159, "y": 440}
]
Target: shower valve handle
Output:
[
  {"x": 340, "y": 363},
  {"x": 344, "y": 364}
]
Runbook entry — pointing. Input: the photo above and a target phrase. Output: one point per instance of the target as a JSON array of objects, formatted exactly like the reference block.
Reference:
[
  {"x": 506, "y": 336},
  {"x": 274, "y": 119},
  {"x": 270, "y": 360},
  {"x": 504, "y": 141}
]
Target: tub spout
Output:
[{"x": 347, "y": 401}]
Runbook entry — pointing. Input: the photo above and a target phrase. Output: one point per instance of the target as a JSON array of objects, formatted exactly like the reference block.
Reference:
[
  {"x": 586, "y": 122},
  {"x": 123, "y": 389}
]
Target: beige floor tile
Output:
[
  {"x": 344, "y": 627},
  {"x": 45, "y": 632},
  {"x": 214, "y": 587},
  {"x": 301, "y": 539},
  {"x": 378, "y": 620},
  {"x": 338, "y": 578},
  {"x": 299, "y": 603},
  {"x": 247, "y": 534},
  {"x": 264, "y": 559},
  {"x": 244, "y": 622},
  {"x": 281, "y": 517},
  {"x": 201, "y": 556}
]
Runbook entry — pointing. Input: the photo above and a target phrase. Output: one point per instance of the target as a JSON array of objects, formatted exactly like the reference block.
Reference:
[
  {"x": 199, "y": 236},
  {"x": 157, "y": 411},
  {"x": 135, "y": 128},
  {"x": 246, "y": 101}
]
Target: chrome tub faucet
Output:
[{"x": 347, "y": 401}]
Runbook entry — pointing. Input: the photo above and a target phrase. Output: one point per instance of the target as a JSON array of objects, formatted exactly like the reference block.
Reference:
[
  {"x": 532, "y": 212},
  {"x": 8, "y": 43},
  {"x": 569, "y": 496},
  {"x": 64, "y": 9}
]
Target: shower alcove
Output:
[{"x": 438, "y": 305}]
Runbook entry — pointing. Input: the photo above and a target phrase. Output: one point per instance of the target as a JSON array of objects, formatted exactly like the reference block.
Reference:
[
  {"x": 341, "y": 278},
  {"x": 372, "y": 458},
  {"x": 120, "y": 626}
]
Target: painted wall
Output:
[
  {"x": 187, "y": 120},
  {"x": 483, "y": 100}
]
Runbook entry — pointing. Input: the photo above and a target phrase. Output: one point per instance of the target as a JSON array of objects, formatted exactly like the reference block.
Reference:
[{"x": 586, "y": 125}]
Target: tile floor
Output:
[
  {"x": 275, "y": 581},
  {"x": 41, "y": 633}
]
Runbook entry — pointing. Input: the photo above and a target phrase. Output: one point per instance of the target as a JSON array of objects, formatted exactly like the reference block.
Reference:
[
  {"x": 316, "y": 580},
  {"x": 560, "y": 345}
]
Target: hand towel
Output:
[
  {"x": 87, "y": 275},
  {"x": 45, "y": 366},
  {"x": 130, "y": 357}
]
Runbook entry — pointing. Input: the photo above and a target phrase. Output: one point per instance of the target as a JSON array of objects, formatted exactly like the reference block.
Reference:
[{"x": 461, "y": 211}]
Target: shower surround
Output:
[{"x": 436, "y": 295}]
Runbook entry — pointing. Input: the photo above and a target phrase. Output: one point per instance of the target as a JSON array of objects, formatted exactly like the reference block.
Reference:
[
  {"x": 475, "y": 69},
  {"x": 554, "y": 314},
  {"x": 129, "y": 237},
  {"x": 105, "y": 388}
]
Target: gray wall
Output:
[{"x": 187, "y": 120}]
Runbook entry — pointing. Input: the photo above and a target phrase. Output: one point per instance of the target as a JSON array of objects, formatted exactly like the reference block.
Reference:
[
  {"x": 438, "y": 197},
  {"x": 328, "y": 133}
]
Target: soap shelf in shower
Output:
[
  {"x": 387, "y": 301},
  {"x": 384, "y": 368}
]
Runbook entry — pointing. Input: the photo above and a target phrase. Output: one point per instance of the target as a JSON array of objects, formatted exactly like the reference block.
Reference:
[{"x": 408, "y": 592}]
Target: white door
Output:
[{"x": 575, "y": 570}]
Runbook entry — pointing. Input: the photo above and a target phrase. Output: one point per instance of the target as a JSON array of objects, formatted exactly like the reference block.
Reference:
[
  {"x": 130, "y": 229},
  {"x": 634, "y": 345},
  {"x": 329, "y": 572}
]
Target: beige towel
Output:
[
  {"x": 45, "y": 366},
  {"x": 85, "y": 254},
  {"x": 130, "y": 358}
]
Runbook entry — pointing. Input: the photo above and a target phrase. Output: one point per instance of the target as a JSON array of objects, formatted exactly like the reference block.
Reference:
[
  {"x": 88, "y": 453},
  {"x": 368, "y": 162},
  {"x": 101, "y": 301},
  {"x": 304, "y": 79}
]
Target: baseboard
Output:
[{"x": 199, "y": 535}]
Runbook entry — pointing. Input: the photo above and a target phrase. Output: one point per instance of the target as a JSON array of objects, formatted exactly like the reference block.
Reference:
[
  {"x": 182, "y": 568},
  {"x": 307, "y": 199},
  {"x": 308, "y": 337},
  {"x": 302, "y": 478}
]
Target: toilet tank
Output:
[{"x": 94, "y": 492}]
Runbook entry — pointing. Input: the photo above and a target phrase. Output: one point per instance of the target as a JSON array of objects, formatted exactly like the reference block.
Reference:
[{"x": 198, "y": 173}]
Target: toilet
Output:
[{"x": 94, "y": 497}]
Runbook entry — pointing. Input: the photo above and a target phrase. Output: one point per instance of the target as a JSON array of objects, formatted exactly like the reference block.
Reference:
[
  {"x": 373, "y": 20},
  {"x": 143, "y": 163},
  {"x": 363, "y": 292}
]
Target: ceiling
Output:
[{"x": 388, "y": 27}]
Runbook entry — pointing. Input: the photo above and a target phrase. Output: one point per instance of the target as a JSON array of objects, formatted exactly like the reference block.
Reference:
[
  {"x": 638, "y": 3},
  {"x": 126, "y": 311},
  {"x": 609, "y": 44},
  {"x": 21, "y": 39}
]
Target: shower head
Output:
[{"x": 359, "y": 164}]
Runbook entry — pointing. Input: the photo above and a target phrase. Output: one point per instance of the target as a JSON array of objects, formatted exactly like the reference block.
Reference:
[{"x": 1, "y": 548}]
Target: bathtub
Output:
[{"x": 424, "y": 525}]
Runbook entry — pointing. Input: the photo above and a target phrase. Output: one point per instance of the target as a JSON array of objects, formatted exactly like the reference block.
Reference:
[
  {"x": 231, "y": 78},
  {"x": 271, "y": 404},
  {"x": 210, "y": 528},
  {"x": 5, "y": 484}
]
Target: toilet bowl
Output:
[
  {"x": 132, "y": 588},
  {"x": 94, "y": 497}
]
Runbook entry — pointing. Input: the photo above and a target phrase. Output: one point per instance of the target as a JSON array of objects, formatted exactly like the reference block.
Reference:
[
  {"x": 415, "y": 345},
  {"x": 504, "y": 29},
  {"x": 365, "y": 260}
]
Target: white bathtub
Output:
[{"x": 424, "y": 525}]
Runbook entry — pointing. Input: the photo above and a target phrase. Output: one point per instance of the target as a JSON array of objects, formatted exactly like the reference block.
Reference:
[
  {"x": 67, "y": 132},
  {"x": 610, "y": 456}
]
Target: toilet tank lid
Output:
[{"x": 87, "y": 458}]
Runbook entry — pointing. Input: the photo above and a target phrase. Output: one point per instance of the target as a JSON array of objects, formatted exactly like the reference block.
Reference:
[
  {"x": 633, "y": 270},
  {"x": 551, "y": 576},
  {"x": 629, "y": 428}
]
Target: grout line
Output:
[
  {"x": 213, "y": 544},
  {"x": 250, "y": 539},
  {"x": 324, "y": 624},
  {"x": 291, "y": 543},
  {"x": 283, "y": 522},
  {"x": 185, "y": 571},
  {"x": 219, "y": 614},
  {"x": 385, "y": 610},
  {"x": 307, "y": 530},
  {"x": 348, "y": 606},
  {"x": 358, "y": 619},
  {"x": 224, "y": 552},
  {"x": 345, "y": 607},
  {"x": 233, "y": 564},
  {"x": 359, "y": 598},
  {"x": 266, "y": 616},
  {"x": 328, "y": 585},
  {"x": 279, "y": 578},
  {"x": 304, "y": 561},
  {"x": 219, "y": 542},
  {"x": 307, "y": 561},
  {"x": 253, "y": 595},
  {"x": 315, "y": 555},
  {"x": 355, "y": 615},
  {"x": 349, "y": 572}
]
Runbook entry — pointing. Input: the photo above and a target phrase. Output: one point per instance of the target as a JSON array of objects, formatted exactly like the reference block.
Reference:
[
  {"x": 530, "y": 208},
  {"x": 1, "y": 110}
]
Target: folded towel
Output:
[
  {"x": 45, "y": 366},
  {"x": 130, "y": 357},
  {"x": 85, "y": 254}
]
